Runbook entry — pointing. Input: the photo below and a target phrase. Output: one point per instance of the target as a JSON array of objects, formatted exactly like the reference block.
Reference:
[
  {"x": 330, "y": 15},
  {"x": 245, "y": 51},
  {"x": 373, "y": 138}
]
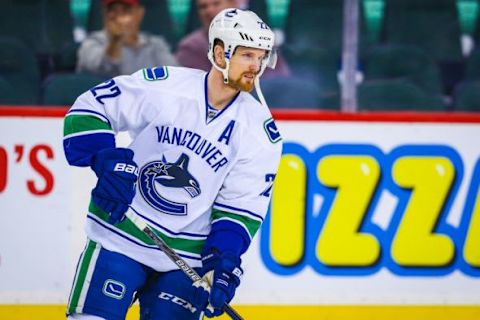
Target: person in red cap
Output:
[{"x": 121, "y": 48}]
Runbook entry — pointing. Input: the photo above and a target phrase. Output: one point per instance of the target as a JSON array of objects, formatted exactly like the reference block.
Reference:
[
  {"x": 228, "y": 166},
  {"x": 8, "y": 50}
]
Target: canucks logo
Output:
[
  {"x": 114, "y": 289},
  {"x": 170, "y": 175},
  {"x": 155, "y": 73},
  {"x": 272, "y": 131}
]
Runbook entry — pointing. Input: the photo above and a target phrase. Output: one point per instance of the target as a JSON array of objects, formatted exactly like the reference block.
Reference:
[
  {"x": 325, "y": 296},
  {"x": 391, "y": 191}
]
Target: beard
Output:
[{"x": 240, "y": 84}]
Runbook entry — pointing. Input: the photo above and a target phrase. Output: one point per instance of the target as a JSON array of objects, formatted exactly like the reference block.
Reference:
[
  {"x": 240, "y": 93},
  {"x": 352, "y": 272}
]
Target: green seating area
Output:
[
  {"x": 414, "y": 47},
  {"x": 44, "y": 26},
  {"x": 19, "y": 73},
  {"x": 397, "y": 94},
  {"x": 63, "y": 89},
  {"x": 467, "y": 96},
  {"x": 403, "y": 62}
]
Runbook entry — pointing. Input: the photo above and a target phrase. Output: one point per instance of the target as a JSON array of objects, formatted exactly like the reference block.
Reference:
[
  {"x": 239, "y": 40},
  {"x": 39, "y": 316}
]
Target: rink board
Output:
[{"x": 346, "y": 181}]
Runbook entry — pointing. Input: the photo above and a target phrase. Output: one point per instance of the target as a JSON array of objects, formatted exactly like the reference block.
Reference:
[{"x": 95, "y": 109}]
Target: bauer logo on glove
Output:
[
  {"x": 128, "y": 168},
  {"x": 117, "y": 176}
]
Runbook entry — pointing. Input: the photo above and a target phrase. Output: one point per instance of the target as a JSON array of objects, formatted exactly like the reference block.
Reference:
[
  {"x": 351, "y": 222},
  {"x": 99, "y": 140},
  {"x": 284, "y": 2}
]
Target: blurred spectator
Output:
[
  {"x": 193, "y": 48},
  {"x": 242, "y": 4},
  {"x": 121, "y": 48}
]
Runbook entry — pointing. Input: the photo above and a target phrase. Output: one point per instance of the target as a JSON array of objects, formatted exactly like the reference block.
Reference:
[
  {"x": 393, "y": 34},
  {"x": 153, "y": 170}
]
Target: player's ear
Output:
[{"x": 219, "y": 55}]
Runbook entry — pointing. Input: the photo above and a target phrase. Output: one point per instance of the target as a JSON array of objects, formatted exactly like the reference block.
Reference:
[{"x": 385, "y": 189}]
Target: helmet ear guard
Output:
[
  {"x": 272, "y": 59},
  {"x": 236, "y": 27}
]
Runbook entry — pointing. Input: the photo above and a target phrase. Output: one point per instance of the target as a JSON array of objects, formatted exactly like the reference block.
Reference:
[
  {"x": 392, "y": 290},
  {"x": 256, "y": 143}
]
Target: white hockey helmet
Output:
[{"x": 236, "y": 27}]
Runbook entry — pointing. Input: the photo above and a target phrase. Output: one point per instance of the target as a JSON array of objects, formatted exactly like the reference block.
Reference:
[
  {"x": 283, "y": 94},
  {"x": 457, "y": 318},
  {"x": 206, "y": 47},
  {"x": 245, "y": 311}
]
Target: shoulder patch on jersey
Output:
[
  {"x": 155, "y": 73},
  {"x": 272, "y": 131}
]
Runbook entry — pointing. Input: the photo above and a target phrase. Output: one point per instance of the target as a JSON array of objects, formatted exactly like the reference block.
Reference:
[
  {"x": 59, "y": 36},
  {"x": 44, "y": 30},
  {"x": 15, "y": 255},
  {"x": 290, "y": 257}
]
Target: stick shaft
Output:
[{"x": 172, "y": 255}]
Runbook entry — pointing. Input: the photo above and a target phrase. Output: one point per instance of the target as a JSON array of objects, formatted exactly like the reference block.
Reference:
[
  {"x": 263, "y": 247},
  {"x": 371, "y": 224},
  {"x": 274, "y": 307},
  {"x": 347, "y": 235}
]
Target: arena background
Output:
[{"x": 375, "y": 212}]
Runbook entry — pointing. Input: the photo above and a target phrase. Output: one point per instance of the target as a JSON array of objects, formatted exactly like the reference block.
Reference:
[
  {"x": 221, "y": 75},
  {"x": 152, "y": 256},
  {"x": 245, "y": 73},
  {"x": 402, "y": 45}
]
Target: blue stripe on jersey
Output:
[
  {"x": 224, "y": 206},
  {"x": 115, "y": 231},
  {"x": 80, "y": 149}
]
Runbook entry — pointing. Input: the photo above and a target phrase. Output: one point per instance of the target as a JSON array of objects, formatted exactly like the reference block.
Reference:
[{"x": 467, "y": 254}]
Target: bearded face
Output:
[
  {"x": 245, "y": 65},
  {"x": 245, "y": 82}
]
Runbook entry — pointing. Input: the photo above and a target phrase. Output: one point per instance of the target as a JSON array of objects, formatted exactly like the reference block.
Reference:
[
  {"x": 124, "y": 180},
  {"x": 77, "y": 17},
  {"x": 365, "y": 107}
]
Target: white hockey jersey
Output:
[{"x": 193, "y": 170}]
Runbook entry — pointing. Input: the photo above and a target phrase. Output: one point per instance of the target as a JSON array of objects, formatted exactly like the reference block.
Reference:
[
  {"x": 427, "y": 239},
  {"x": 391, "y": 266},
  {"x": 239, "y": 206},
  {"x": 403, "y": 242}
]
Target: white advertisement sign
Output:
[{"x": 363, "y": 213}]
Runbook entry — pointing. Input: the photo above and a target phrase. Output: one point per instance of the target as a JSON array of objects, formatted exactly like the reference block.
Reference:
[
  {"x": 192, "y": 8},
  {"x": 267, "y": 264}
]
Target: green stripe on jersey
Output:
[
  {"x": 127, "y": 226},
  {"x": 251, "y": 225},
  {"x": 81, "y": 123},
  {"x": 82, "y": 271}
]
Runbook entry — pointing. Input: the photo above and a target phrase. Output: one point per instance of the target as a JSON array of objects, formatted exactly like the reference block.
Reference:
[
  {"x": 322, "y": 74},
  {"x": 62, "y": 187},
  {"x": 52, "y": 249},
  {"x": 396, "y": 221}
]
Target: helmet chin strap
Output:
[
  {"x": 224, "y": 71},
  {"x": 259, "y": 92}
]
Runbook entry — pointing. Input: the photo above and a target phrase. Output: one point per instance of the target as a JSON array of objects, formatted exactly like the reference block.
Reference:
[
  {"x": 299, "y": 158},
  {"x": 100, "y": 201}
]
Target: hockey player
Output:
[{"x": 199, "y": 171}]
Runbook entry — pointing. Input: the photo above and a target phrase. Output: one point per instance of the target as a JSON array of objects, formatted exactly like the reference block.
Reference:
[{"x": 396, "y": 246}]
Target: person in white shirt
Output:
[{"x": 121, "y": 48}]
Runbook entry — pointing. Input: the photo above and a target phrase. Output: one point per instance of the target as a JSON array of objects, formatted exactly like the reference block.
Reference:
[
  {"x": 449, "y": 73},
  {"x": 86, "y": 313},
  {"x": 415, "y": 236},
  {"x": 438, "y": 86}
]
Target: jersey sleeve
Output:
[
  {"x": 101, "y": 112},
  {"x": 243, "y": 200}
]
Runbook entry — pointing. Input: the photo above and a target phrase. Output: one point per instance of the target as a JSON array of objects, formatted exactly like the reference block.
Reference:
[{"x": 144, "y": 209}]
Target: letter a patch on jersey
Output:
[
  {"x": 155, "y": 73},
  {"x": 272, "y": 131},
  {"x": 227, "y": 133}
]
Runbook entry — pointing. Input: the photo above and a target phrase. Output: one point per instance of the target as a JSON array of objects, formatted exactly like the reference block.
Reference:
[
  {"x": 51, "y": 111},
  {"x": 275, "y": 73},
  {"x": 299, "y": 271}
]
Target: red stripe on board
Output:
[
  {"x": 314, "y": 115},
  {"x": 288, "y": 115},
  {"x": 32, "y": 111}
]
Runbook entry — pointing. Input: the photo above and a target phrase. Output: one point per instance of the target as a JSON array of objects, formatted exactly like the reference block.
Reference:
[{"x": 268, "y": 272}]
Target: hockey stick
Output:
[{"x": 182, "y": 264}]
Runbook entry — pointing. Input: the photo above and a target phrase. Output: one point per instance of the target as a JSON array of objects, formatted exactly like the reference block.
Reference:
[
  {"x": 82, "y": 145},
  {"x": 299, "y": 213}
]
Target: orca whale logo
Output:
[{"x": 170, "y": 175}]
